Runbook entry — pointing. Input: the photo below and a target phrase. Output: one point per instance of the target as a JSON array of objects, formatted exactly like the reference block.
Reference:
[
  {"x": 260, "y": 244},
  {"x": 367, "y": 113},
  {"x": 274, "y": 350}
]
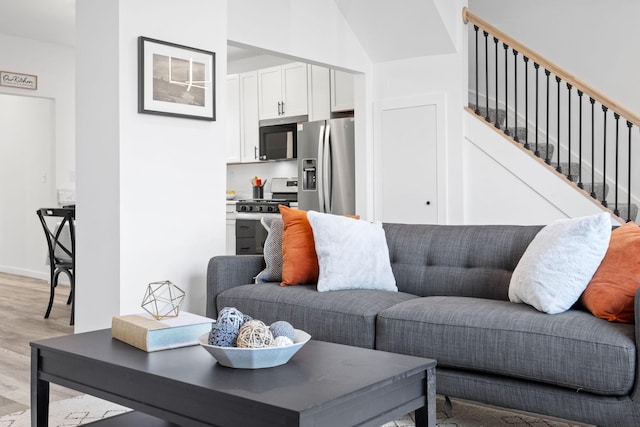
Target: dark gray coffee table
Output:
[{"x": 324, "y": 384}]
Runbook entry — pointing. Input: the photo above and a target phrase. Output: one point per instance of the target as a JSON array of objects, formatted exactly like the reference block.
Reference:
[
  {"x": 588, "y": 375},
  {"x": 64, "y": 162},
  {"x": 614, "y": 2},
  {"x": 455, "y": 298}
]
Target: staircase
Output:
[
  {"x": 517, "y": 135},
  {"x": 553, "y": 114}
]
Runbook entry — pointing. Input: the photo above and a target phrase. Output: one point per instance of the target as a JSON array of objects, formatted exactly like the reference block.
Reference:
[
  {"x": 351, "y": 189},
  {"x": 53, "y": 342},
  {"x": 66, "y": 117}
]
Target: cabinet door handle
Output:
[
  {"x": 279, "y": 110},
  {"x": 255, "y": 152},
  {"x": 283, "y": 108}
]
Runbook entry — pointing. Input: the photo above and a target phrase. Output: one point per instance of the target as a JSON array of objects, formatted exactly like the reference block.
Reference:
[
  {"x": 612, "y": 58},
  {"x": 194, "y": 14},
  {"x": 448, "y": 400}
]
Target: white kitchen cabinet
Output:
[
  {"x": 233, "y": 119},
  {"x": 249, "y": 130},
  {"x": 319, "y": 90},
  {"x": 282, "y": 91},
  {"x": 342, "y": 98}
]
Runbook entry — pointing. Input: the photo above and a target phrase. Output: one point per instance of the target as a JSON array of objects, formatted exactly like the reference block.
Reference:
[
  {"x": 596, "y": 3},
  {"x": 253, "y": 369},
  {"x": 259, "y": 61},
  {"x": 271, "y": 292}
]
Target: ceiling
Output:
[
  {"x": 45, "y": 20},
  {"x": 387, "y": 30}
]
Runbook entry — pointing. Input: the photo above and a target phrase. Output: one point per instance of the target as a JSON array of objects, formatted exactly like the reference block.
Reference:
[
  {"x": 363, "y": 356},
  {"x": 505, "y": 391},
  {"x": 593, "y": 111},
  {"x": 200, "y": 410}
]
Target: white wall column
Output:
[{"x": 150, "y": 189}]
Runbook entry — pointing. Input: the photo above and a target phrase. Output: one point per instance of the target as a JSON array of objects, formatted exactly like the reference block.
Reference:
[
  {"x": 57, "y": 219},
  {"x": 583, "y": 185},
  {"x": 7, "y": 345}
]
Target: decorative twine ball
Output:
[
  {"x": 254, "y": 334},
  {"x": 282, "y": 328},
  {"x": 223, "y": 335},
  {"x": 232, "y": 316},
  {"x": 282, "y": 341}
]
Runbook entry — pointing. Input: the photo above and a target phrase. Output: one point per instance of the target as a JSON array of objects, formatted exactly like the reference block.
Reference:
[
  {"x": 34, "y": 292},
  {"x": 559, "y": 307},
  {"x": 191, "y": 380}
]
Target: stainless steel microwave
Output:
[{"x": 279, "y": 138}]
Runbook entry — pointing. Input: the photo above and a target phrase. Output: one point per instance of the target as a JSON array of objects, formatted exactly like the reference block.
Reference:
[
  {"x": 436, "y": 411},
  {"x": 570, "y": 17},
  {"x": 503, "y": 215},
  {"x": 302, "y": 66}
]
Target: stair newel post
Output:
[
  {"x": 604, "y": 157},
  {"x": 477, "y": 110},
  {"x": 486, "y": 74},
  {"x": 629, "y": 125},
  {"x": 558, "y": 167},
  {"x": 537, "y": 68},
  {"x": 569, "y": 87},
  {"x": 495, "y": 42},
  {"x": 506, "y": 89},
  {"x": 515, "y": 94},
  {"x": 593, "y": 145},
  {"x": 580, "y": 184},
  {"x": 526, "y": 102},
  {"x": 616, "y": 211},
  {"x": 547, "y": 160}
]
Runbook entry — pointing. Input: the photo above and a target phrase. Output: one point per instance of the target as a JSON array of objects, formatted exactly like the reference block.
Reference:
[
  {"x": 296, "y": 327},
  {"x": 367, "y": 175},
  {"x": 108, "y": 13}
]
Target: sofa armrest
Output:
[
  {"x": 635, "y": 394},
  {"x": 227, "y": 271}
]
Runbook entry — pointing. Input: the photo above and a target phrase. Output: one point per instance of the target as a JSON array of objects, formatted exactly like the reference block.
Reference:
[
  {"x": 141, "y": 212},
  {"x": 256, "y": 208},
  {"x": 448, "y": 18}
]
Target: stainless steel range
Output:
[{"x": 260, "y": 206}]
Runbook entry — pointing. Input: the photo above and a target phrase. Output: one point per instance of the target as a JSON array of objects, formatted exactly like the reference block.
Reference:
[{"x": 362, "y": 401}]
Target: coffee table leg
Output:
[
  {"x": 39, "y": 394},
  {"x": 426, "y": 416}
]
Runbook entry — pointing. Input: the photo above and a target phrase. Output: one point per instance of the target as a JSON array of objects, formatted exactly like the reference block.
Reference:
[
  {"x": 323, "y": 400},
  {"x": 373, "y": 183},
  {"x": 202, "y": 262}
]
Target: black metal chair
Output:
[{"x": 61, "y": 241}]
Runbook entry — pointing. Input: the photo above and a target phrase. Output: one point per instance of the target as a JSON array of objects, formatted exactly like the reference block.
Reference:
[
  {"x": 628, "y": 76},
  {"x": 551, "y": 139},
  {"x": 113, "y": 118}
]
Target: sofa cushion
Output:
[
  {"x": 472, "y": 260},
  {"x": 344, "y": 317},
  {"x": 611, "y": 292},
  {"x": 572, "y": 349},
  {"x": 299, "y": 259},
  {"x": 352, "y": 254},
  {"x": 559, "y": 262},
  {"x": 272, "y": 251}
]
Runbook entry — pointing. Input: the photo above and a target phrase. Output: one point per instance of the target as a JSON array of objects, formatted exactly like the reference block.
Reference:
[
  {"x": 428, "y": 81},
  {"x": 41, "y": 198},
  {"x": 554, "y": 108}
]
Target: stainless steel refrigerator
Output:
[{"x": 326, "y": 166}]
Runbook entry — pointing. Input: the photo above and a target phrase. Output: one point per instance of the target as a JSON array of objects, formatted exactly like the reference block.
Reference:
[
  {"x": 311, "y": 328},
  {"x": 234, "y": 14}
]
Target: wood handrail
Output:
[{"x": 628, "y": 115}]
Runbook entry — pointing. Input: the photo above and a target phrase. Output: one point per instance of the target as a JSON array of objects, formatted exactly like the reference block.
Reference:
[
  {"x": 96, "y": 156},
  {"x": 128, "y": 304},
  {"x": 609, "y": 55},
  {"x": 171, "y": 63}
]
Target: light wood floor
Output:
[{"x": 23, "y": 301}]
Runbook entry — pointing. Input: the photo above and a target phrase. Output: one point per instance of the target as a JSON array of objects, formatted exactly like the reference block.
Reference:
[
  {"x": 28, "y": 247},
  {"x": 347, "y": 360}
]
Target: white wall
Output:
[
  {"x": 150, "y": 188},
  {"x": 594, "y": 40},
  {"x": 27, "y": 175},
  {"x": 54, "y": 66},
  {"x": 442, "y": 75},
  {"x": 504, "y": 184}
]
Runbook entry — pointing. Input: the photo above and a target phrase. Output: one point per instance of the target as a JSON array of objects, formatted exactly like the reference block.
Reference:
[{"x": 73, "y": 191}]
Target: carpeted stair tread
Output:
[{"x": 482, "y": 111}]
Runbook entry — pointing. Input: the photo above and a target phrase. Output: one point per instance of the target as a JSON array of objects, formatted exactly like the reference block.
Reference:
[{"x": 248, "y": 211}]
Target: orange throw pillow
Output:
[
  {"x": 611, "y": 292},
  {"x": 299, "y": 259}
]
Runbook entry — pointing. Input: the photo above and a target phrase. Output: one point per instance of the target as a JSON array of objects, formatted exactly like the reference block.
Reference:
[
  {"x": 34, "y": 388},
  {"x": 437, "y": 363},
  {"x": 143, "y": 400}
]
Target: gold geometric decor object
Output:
[{"x": 163, "y": 300}]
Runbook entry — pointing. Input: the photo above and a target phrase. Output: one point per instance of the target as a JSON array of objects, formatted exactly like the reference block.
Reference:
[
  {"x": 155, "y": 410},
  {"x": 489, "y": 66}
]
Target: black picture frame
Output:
[{"x": 176, "y": 80}]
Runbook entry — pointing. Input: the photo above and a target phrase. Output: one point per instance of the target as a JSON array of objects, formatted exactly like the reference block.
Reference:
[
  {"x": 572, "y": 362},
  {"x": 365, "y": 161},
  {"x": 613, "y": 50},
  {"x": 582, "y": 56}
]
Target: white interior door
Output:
[
  {"x": 408, "y": 144},
  {"x": 27, "y": 181}
]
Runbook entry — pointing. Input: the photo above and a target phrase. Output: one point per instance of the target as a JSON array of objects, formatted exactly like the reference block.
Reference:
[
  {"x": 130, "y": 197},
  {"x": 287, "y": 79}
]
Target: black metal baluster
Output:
[
  {"x": 526, "y": 102},
  {"x": 495, "y": 42},
  {"x": 515, "y": 94},
  {"x": 547, "y": 160},
  {"x": 629, "y": 125},
  {"x": 616, "y": 211},
  {"x": 580, "y": 184},
  {"x": 604, "y": 158},
  {"x": 477, "y": 110},
  {"x": 506, "y": 89},
  {"x": 486, "y": 74},
  {"x": 537, "y": 67},
  {"x": 569, "y": 87},
  {"x": 558, "y": 167},
  {"x": 593, "y": 145}
]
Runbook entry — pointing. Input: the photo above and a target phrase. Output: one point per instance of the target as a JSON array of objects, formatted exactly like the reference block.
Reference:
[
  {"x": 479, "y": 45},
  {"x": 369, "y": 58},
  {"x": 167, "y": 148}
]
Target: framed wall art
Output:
[{"x": 175, "y": 80}]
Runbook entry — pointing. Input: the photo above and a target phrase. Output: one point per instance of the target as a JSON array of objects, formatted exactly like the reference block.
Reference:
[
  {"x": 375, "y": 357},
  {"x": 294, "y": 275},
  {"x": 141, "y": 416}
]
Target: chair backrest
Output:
[{"x": 62, "y": 245}]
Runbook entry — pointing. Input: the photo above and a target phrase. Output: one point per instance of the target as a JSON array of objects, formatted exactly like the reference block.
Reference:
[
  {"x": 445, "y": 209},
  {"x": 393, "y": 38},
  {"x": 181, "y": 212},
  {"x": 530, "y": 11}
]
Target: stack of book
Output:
[{"x": 146, "y": 333}]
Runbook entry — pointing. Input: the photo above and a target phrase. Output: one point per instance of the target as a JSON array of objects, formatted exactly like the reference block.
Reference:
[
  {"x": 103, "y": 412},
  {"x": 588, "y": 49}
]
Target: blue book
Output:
[{"x": 146, "y": 333}]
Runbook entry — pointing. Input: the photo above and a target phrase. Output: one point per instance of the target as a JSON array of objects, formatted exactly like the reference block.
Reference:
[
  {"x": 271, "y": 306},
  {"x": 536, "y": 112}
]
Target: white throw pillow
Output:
[
  {"x": 352, "y": 254},
  {"x": 559, "y": 263}
]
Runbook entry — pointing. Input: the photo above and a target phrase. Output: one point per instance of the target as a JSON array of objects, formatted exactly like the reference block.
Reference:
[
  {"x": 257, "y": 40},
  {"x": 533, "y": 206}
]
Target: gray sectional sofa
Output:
[{"x": 453, "y": 306}]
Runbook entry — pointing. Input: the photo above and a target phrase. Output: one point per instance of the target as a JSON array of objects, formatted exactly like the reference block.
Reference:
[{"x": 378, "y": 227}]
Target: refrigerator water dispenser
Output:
[{"x": 309, "y": 174}]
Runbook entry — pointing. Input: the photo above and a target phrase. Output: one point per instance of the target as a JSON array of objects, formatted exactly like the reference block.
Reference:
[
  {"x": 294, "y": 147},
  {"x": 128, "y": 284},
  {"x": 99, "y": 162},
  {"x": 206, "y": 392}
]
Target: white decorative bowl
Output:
[
  {"x": 231, "y": 196},
  {"x": 254, "y": 358}
]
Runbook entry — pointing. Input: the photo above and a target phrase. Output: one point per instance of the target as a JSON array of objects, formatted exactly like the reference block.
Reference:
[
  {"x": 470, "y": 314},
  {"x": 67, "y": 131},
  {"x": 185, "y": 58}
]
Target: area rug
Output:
[{"x": 85, "y": 409}]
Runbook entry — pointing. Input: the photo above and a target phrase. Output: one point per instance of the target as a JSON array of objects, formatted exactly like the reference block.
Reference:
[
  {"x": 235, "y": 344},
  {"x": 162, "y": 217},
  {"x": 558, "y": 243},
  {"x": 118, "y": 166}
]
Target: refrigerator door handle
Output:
[
  {"x": 320, "y": 169},
  {"x": 326, "y": 165}
]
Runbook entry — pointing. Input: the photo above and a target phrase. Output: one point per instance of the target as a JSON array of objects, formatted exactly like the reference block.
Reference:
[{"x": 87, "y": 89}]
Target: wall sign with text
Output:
[{"x": 19, "y": 80}]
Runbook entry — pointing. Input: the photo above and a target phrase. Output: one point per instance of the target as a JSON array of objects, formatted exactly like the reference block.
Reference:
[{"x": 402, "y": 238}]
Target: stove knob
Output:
[
  {"x": 270, "y": 209},
  {"x": 243, "y": 208},
  {"x": 259, "y": 208}
]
